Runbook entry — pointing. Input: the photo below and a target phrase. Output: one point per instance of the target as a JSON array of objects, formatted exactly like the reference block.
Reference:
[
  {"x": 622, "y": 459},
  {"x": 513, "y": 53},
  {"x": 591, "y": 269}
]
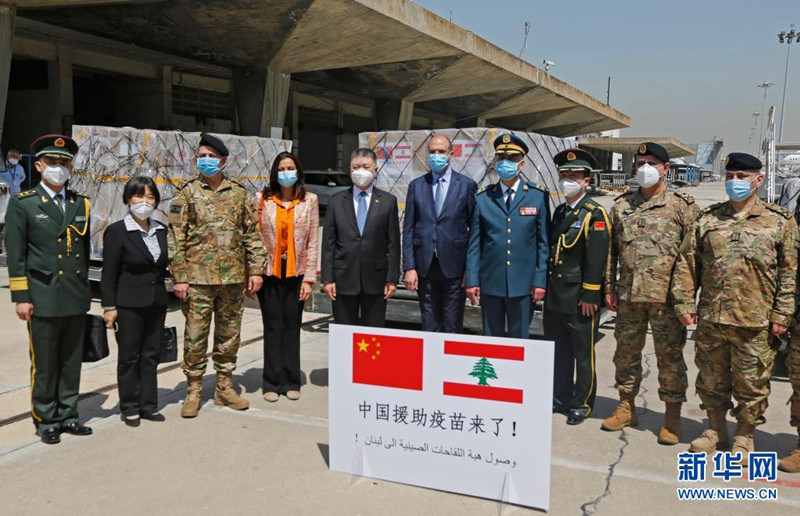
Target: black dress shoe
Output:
[
  {"x": 558, "y": 409},
  {"x": 50, "y": 436},
  {"x": 158, "y": 418},
  {"x": 76, "y": 429},
  {"x": 575, "y": 418},
  {"x": 129, "y": 421}
]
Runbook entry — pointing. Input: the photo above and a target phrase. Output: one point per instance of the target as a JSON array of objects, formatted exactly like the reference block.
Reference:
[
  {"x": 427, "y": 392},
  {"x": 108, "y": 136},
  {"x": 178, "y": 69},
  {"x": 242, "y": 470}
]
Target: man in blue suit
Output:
[
  {"x": 509, "y": 245},
  {"x": 436, "y": 225}
]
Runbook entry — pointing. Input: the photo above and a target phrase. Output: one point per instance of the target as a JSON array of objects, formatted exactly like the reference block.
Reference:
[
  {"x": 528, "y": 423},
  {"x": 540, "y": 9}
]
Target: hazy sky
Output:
[{"x": 682, "y": 68}]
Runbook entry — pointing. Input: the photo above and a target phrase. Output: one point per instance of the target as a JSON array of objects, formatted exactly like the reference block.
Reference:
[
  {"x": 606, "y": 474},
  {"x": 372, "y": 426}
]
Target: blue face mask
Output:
[
  {"x": 507, "y": 169},
  {"x": 437, "y": 163},
  {"x": 287, "y": 178},
  {"x": 738, "y": 189},
  {"x": 208, "y": 166}
]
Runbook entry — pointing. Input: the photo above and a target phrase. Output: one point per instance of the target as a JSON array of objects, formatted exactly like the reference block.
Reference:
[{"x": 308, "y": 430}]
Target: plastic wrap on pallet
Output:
[
  {"x": 110, "y": 156},
  {"x": 403, "y": 156}
]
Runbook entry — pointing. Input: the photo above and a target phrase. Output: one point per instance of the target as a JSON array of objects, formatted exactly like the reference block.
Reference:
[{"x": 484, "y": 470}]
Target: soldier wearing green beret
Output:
[{"x": 48, "y": 262}]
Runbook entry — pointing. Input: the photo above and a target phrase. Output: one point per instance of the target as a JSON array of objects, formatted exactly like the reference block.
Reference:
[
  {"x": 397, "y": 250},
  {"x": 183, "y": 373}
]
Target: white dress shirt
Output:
[{"x": 356, "y": 196}]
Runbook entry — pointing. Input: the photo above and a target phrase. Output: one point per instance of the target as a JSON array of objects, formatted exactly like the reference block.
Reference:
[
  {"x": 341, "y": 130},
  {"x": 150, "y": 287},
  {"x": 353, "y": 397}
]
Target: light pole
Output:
[
  {"x": 764, "y": 85},
  {"x": 786, "y": 37},
  {"x": 753, "y": 129}
]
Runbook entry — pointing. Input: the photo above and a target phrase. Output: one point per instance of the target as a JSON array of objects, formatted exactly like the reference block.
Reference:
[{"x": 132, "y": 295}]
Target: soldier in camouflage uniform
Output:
[
  {"x": 742, "y": 256},
  {"x": 791, "y": 463},
  {"x": 214, "y": 247},
  {"x": 647, "y": 227}
]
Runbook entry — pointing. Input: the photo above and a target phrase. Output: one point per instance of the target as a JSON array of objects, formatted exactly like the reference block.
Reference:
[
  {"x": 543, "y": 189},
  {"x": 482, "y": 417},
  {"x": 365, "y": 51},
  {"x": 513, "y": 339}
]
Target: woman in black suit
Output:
[{"x": 135, "y": 298}]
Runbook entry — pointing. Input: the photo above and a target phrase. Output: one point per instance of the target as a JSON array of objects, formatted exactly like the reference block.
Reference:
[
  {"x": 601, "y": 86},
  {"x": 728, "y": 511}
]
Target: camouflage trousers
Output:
[
  {"x": 793, "y": 365},
  {"x": 734, "y": 360},
  {"x": 669, "y": 338},
  {"x": 225, "y": 303}
]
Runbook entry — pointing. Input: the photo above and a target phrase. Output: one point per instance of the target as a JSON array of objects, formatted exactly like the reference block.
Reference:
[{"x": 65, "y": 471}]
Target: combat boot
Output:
[
  {"x": 226, "y": 395},
  {"x": 791, "y": 463},
  {"x": 714, "y": 438},
  {"x": 671, "y": 431},
  {"x": 624, "y": 415},
  {"x": 194, "y": 396},
  {"x": 743, "y": 441}
]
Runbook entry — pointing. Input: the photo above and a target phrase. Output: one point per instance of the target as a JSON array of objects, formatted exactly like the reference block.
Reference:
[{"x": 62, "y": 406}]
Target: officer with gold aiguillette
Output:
[{"x": 48, "y": 233}]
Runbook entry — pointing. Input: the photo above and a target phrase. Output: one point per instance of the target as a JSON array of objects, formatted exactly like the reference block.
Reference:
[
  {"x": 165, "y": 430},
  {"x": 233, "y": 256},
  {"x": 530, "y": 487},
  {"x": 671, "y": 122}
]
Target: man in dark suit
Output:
[
  {"x": 48, "y": 264},
  {"x": 439, "y": 208},
  {"x": 509, "y": 245},
  {"x": 361, "y": 247}
]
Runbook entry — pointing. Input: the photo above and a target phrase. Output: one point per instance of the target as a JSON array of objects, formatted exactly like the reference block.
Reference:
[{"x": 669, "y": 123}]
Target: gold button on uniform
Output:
[
  {"x": 60, "y": 273},
  {"x": 59, "y": 256},
  {"x": 508, "y": 252},
  {"x": 59, "y": 240},
  {"x": 559, "y": 275},
  {"x": 508, "y": 263},
  {"x": 509, "y": 219},
  {"x": 508, "y": 241},
  {"x": 509, "y": 230}
]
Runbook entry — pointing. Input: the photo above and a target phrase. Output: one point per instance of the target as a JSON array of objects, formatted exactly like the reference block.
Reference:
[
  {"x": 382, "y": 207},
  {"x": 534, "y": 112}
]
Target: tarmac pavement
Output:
[{"x": 272, "y": 458}]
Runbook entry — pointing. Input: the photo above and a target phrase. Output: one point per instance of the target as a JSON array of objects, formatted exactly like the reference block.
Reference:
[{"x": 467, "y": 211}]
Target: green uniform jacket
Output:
[
  {"x": 579, "y": 249},
  {"x": 48, "y": 253}
]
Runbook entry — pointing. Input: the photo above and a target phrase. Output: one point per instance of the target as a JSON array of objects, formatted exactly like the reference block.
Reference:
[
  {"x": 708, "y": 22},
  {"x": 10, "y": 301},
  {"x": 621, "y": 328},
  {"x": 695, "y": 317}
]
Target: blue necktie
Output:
[
  {"x": 438, "y": 195},
  {"x": 361, "y": 213}
]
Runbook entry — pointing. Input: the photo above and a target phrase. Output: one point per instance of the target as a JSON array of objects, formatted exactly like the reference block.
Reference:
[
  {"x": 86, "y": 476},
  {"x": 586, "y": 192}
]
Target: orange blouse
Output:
[{"x": 284, "y": 245}]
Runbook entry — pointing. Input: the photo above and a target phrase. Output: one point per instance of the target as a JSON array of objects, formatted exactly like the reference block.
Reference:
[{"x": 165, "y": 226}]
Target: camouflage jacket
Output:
[
  {"x": 645, "y": 237},
  {"x": 214, "y": 238},
  {"x": 744, "y": 264}
]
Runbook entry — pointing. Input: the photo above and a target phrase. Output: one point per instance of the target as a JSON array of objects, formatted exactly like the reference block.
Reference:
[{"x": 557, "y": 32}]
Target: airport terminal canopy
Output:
[{"x": 391, "y": 51}]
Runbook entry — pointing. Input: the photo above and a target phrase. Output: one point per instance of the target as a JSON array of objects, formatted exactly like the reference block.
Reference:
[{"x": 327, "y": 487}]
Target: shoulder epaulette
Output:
[
  {"x": 183, "y": 184},
  {"x": 617, "y": 198},
  {"x": 714, "y": 207},
  {"x": 236, "y": 182},
  {"x": 26, "y": 194},
  {"x": 482, "y": 190},
  {"x": 685, "y": 196},
  {"x": 778, "y": 209},
  {"x": 79, "y": 194},
  {"x": 537, "y": 186},
  {"x": 590, "y": 206}
]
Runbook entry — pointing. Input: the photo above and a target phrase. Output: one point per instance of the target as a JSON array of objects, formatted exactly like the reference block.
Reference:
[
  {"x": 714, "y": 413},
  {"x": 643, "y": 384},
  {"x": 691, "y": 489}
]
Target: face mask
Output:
[
  {"x": 142, "y": 210},
  {"x": 647, "y": 175},
  {"x": 738, "y": 189},
  {"x": 437, "y": 163},
  {"x": 13, "y": 162},
  {"x": 287, "y": 178},
  {"x": 208, "y": 166},
  {"x": 362, "y": 177},
  {"x": 507, "y": 169},
  {"x": 56, "y": 175},
  {"x": 569, "y": 187}
]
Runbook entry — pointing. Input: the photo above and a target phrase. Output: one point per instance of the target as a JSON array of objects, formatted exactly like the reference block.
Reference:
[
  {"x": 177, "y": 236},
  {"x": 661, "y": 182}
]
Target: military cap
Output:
[
  {"x": 508, "y": 143},
  {"x": 653, "y": 149},
  {"x": 742, "y": 161},
  {"x": 574, "y": 159},
  {"x": 213, "y": 142},
  {"x": 54, "y": 145}
]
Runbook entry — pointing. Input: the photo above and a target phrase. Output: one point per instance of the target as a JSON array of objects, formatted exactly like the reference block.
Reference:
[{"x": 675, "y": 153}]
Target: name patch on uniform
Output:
[
  {"x": 176, "y": 208},
  {"x": 80, "y": 218},
  {"x": 41, "y": 217},
  {"x": 599, "y": 225},
  {"x": 642, "y": 223},
  {"x": 527, "y": 211}
]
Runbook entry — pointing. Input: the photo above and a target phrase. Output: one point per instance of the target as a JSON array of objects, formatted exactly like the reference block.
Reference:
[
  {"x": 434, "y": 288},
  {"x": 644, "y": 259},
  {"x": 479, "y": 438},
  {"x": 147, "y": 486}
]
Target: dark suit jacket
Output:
[
  {"x": 130, "y": 276},
  {"x": 448, "y": 233},
  {"x": 361, "y": 264}
]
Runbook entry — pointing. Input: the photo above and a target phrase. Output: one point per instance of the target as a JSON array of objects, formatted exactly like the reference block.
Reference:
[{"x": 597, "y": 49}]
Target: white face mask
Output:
[
  {"x": 13, "y": 161},
  {"x": 142, "y": 210},
  {"x": 362, "y": 177},
  {"x": 647, "y": 175},
  {"x": 56, "y": 175},
  {"x": 569, "y": 187}
]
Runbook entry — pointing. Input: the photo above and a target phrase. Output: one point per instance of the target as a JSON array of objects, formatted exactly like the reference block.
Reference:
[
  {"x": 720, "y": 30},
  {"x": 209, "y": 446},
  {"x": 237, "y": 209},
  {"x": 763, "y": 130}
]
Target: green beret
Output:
[
  {"x": 742, "y": 161},
  {"x": 653, "y": 149}
]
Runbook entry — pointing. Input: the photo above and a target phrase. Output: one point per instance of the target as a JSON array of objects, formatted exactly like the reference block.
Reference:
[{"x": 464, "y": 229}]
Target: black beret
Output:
[
  {"x": 653, "y": 149},
  {"x": 575, "y": 158},
  {"x": 509, "y": 143},
  {"x": 55, "y": 145},
  {"x": 742, "y": 161},
  {"x": 213, "y": 142}
]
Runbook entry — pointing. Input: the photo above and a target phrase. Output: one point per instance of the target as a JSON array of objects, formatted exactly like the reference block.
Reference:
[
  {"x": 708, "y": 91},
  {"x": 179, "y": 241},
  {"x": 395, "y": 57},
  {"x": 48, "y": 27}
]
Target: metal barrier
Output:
[{"x": 615, "y": 181}]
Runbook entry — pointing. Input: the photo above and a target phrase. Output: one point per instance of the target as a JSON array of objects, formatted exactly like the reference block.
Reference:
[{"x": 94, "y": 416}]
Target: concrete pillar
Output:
[
  {"x": 387, "y": 114},
  {"x": 276, "y": 99},
  {"x": 61, "y": 91},
  {"x": 627, "y": 163},
  {"x": 295, "y": 125},
  {"x": 7, "y": 15},
  {"x": 166, "y": 97},
  {"x": 405, "y": 116},
  {"x": 261, "y": 101}
]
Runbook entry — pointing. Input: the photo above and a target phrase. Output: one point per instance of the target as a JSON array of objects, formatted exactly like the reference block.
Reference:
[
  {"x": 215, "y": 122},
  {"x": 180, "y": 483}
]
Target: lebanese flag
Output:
[
  {"x": 483, "y": 371},
  {"x": 387, "y": 361}
]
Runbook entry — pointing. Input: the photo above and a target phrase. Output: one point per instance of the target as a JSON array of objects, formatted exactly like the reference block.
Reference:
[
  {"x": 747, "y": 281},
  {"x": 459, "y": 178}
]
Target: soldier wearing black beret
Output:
[
  {"x": 48, "y": 264},
  {"x": 579, "y": 241}
]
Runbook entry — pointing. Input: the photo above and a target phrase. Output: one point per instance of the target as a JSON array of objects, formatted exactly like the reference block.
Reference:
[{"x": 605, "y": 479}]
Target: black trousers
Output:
[
  {"x": 360, "y": 310},
  {"x": 56, "y": 349},
  {"x": 139, "y": 334},
  {"x": 441, "y": 301},
  {"x": 574, "y": 377},
  {"x": 282, "y": 315}
]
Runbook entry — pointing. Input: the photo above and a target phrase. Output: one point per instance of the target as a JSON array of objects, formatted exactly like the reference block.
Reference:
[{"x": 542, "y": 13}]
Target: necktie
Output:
[
  {"x": 509, "y": 193},
  {"x": 58, "y": 197},
  {"x": 361, "y": 213},
  {"x": 438, "y": 195}
]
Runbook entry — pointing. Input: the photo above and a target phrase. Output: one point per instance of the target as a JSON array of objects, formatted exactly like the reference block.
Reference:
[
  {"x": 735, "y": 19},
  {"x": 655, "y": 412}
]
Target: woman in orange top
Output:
[{"x": 289, "y": 223}]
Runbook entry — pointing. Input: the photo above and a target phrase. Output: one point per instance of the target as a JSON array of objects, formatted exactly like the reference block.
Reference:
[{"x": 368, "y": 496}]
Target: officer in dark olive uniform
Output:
[
  {"x": 48, "y": 259},
  {"x": 579, "y": 248}
]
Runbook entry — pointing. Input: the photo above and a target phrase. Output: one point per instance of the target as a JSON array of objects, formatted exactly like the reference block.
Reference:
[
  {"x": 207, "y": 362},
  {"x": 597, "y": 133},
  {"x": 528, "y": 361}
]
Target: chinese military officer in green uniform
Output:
[
  {"x": 579, "y": 241},
  {"x": 48, "y": 260}
]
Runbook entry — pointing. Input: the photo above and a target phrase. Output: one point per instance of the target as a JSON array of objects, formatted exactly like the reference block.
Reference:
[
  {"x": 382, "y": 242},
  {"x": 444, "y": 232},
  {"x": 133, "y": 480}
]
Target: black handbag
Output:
[
  {"x": 95, "y": 343},
  {"x": 168, "y": 351}
]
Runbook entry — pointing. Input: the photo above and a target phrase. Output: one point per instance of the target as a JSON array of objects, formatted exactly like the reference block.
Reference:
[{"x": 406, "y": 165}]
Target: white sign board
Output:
[{"x": 460, "y": 413}]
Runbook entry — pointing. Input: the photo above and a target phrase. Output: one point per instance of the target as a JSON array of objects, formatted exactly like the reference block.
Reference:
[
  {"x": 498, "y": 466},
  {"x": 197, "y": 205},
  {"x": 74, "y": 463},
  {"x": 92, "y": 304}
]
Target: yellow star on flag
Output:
[{"x": 362, "y": 346}]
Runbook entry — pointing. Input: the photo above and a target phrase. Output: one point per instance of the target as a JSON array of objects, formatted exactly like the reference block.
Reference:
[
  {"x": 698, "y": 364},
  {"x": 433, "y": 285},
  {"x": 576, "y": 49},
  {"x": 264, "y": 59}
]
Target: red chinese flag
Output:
[{"x": 387, "y": 361}]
